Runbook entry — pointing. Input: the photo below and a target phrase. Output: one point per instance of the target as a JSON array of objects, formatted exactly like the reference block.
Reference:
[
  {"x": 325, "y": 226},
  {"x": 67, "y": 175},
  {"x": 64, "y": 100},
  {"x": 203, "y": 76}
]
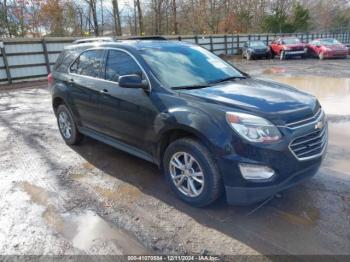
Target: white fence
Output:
[{"x": 22, "y": 59}]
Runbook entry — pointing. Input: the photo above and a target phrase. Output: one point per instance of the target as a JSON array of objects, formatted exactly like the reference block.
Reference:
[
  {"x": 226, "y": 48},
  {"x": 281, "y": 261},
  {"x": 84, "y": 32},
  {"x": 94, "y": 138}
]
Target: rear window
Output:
[
  {"x": 88, "y": 63},
  {"x": 63, "y": 61}
]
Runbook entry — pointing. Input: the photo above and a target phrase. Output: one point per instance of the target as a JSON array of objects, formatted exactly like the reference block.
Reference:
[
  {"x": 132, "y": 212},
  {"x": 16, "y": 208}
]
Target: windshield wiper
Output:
[
  {"x": 190, "y": 87},
  {"x": 227, "y": 79}
]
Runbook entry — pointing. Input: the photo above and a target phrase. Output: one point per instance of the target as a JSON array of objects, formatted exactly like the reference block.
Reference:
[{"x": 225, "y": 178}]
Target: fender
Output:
[{"x": 204, "y": 125}]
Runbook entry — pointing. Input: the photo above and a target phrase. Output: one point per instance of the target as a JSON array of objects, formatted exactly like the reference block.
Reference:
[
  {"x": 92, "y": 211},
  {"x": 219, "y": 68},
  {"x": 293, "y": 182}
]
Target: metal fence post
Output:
[
  {"x": 267, "y": 39},
  {"x": 47, "y": 62},
  {"x": 225, "y": 43},
  {"x": 196, "y": 39},
  {"x": 179, "y": 38},
  {"x": 211, "y": 43},
  {"x": 4, "y": 57},
  {"x": 238, "y": 44},
  {"x": 232, "y": 49}
]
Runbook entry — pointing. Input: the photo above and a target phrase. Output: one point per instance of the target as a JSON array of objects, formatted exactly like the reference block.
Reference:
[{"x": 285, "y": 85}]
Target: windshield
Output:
[
  {"x": 291, "y": 41},
  {"x": 329, "y": 41},
  {"x": 187, "y": 65},
  {"x": 257, "y": 44}
]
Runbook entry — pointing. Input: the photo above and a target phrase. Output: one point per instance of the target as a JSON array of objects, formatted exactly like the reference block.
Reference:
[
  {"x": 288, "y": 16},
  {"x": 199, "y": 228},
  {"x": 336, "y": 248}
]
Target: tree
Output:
[
  {"x": 93, "y": 12},
  {"x": 140, "y": 17},
  {"x": 116, "y": 18},
  {"x": 301, "y": 18}
]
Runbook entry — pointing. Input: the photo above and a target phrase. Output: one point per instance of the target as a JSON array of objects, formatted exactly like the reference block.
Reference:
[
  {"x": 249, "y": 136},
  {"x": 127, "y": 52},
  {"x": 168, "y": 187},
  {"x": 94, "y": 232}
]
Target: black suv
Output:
[{"x": 210, "y": 127}]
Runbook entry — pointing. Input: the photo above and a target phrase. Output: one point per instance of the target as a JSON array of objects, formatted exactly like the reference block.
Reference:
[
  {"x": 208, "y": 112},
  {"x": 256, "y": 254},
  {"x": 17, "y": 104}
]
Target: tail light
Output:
[{"x": 50, "y": 79}]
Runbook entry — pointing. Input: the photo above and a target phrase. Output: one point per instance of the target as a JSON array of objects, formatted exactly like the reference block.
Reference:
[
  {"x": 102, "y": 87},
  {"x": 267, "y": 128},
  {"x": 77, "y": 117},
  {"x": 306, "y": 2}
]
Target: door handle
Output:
[{"x": 103, "y": 91}]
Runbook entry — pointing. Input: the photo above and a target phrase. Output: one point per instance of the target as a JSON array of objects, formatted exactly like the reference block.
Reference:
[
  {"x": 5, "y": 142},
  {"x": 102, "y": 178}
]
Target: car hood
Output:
[
  {"x": 295, "y": 46},
  {"x": 336, "y": 47},
  {"x": 277, "y": 102}
]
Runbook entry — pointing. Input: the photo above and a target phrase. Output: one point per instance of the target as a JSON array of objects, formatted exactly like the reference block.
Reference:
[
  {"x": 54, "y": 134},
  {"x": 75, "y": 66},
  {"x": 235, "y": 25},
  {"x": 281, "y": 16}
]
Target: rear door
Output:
[
  {"x": 85, "y": 86},
  {"x": 128, "y": 113}
]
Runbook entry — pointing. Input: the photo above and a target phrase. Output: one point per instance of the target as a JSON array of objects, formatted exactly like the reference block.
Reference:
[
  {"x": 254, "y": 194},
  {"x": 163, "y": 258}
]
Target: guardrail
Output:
[{"x": 22, "y": 59}]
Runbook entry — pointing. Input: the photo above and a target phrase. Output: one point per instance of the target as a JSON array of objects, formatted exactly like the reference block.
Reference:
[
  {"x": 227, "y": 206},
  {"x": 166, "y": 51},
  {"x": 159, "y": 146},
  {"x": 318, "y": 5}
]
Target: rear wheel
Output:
[
  {"x": 67, "y": 126},
  {"x": 191, "y": 172}
]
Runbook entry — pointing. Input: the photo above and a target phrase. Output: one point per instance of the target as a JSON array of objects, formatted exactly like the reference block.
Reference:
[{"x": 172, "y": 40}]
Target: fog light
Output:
[{"x": 256, "y": 172}]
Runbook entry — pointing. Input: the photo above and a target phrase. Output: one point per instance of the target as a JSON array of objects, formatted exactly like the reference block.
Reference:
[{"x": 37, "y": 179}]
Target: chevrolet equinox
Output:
[{"x": 210, "y": 128}]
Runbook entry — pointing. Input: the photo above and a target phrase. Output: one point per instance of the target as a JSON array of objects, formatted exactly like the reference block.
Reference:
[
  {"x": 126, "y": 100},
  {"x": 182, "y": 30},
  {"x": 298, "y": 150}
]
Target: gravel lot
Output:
[{"x": 93, "y": 199}]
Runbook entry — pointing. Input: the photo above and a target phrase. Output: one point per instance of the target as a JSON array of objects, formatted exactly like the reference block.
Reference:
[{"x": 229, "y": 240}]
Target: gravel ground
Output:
[{"x": 93, "y": 199}]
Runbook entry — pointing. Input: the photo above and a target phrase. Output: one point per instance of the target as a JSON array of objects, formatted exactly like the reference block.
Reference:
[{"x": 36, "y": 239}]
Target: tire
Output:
[
  {"x": 282, "y": 55},
  {"x": 202, "y": 162},
  {"x": 67, "y": 126},
  {"x": 321, "y": 56},
  {"x": 249, "y": 56}
]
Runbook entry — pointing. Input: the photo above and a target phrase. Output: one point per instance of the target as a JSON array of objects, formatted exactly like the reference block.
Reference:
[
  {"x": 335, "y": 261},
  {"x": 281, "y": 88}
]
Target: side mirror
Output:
[{"x": 132, "y": 81}]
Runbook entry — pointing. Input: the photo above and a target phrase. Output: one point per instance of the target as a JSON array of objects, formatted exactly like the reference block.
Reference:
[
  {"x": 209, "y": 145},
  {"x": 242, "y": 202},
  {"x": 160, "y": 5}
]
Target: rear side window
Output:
[
  {"x": 63, "y": 61},
  {"x": 88, "y": 63},
  {"x": 120, "y": 63}
]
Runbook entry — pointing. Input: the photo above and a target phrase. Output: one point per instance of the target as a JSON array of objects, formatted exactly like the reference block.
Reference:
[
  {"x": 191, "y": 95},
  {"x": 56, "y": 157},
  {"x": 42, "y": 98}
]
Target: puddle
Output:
[
  {"x": 84, "y": 230},
  {"x": 87, "y": 229},
  {"x": 274, "y": 70},
  {"x": 333, "y": 93}
]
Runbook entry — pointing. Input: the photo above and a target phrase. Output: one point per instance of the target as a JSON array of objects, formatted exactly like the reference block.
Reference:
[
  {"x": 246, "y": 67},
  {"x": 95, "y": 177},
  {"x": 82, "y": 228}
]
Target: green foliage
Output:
[
  {"x": 279, "y": 22},
  {"x": 301, "y": 18}
]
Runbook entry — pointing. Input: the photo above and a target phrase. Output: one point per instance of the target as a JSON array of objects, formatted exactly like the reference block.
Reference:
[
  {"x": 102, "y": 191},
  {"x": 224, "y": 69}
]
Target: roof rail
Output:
[
  {"x": 94, "y": 39},
  {"x": 147, "y": 38}
]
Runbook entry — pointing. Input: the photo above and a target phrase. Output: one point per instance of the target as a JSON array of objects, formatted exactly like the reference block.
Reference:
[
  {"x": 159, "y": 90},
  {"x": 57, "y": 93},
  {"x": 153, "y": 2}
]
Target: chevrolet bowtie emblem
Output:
[{"x": 319, "y": 125}]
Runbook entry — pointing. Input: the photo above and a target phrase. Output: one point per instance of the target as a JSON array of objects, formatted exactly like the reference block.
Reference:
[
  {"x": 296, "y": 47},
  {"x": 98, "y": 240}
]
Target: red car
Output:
[
  {"x": 285, "y": 47},
  {"x": 327, "y": 48}
]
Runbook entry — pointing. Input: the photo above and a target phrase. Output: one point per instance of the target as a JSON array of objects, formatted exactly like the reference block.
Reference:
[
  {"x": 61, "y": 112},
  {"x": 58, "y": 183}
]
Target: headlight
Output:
[{"x": 253, "y": 128}]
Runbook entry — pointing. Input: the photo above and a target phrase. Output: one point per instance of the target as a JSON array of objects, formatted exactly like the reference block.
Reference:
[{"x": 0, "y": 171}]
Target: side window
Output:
[
  {"x": 120, "y": 63},
  {"x": 88, "y": 63}
]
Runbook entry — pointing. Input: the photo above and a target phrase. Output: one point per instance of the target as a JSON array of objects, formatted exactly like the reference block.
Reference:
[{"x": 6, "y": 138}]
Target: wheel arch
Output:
[{"x": 170, "y": 135}]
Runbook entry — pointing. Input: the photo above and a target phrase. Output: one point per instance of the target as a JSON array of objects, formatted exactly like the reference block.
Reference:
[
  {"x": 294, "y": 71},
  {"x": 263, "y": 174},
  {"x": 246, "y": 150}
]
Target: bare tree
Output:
[
  {"x": 116, "y": 18},
  {"x": 140, "y": 17},
  {"x": 93, "y": 12}
]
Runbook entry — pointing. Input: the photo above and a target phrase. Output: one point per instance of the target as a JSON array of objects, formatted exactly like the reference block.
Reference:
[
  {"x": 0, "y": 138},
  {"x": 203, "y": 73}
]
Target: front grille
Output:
[
  {"x": 310, "y": 145},
  {"x": 306, "y": 121},
  {"x": 297, "y": 48}
]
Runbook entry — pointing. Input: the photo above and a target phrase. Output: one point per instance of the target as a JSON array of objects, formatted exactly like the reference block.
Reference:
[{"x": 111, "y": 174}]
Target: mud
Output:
[{"x": 93, "y": 199}]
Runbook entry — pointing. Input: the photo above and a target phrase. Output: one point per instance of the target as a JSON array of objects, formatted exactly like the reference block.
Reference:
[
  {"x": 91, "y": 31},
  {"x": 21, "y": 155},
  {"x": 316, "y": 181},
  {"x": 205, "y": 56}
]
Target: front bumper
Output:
[
  {"x": 251, "y": 195},
  {"x": 290, "y": 167},
  {"x": 295, "y": 53}
]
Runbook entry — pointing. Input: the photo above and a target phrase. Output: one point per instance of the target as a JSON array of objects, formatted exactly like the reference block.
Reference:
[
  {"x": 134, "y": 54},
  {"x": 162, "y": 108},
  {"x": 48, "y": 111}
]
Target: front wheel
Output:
[
  {"x": 283, "y": 55},
  {"x": 249, "y": 56},
  {"x": 321, "y": 56},
  {"x": 192, "y": 172}
]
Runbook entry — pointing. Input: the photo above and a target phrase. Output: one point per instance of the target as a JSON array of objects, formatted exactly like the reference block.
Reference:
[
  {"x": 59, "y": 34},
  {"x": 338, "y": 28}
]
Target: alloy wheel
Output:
[
  {"x": 186, "y": 174},
  {"x": 65, "y": 125}
]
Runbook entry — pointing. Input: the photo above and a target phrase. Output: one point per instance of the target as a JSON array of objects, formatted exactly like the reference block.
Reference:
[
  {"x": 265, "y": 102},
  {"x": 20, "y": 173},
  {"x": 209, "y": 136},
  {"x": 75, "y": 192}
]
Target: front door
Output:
[{"x": 128, "y": 113}]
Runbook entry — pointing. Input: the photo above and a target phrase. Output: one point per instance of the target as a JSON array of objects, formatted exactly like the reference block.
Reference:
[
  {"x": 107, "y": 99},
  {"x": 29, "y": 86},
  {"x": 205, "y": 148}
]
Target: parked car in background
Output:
[
  {"x": 255, "y": 49},
  {"x": 210, "y": 128},
  {"x": 327, "y": 48},
  {"x": 285, "y": 47}
]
